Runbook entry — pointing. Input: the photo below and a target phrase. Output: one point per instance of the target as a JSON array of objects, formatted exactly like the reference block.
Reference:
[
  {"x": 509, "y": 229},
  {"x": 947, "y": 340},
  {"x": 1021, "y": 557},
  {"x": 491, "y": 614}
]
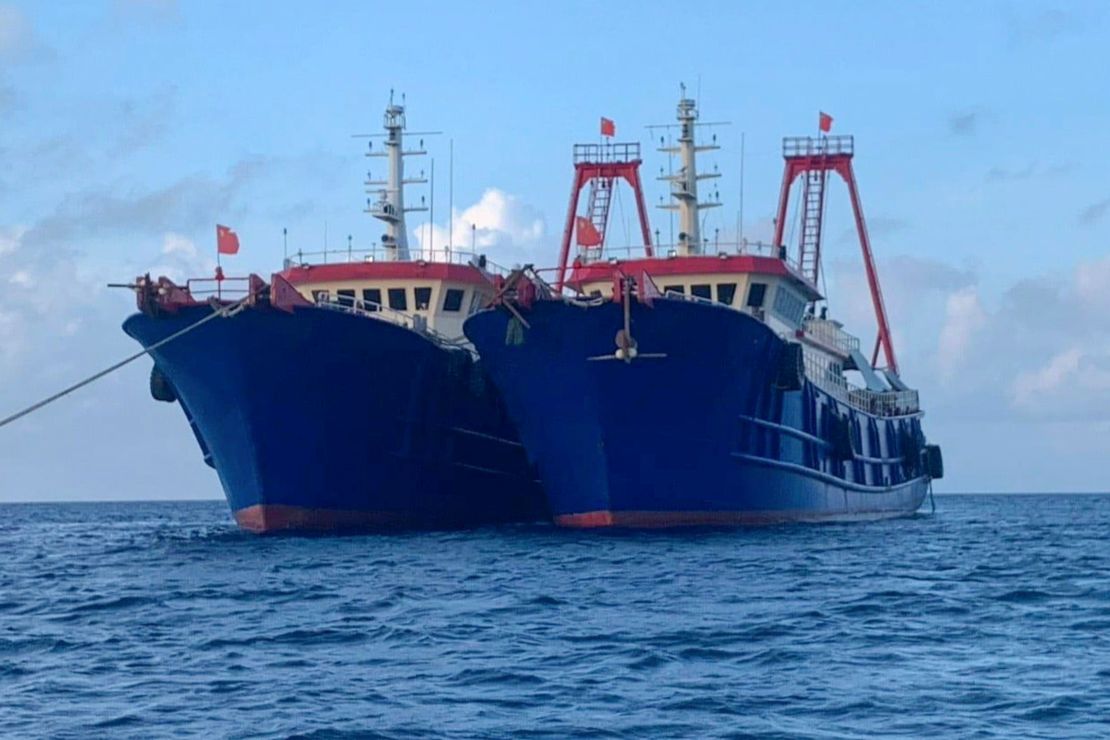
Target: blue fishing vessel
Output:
[
  {"x": 702, "y": 383},
  {"x": 342, "y": 395}
]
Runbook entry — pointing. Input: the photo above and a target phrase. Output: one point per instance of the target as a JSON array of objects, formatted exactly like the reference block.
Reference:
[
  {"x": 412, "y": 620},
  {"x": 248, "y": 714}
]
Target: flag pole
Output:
[
  {"x": 740, "y": 214},
  {"x": 219, "y": 268}
]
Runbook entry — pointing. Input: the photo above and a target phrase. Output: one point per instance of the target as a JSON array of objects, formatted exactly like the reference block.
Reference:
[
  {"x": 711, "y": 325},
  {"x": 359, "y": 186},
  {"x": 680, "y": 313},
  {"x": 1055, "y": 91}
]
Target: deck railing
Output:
[
  {"x": 380, "y": 312},
  {"x": 808, "y": 146},
  {"x": 710, "y": 248},
  {"x": 380, "y": 254},
  {"x": 602, "y": 153},
  {"x": 220, "y": 288},
  {"x": 827, "y": 333},
  {"x": 878, "y": 403}
]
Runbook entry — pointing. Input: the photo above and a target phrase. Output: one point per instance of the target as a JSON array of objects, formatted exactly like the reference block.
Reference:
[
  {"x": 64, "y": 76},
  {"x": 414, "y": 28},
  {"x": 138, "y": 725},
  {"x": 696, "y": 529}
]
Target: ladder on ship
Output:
[
  {"x": 813, "y": 211},
  {"x": 812, "y": 159},
  {"x": 597, "y": 207}
]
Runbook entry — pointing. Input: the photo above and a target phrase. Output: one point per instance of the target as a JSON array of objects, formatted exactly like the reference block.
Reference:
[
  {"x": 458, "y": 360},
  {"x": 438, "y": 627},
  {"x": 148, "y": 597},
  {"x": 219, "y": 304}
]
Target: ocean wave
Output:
[{"x": 988, "y": 619}]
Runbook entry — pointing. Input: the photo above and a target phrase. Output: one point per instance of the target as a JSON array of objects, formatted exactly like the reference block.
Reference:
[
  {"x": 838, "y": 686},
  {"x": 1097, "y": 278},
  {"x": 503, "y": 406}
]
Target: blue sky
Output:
[{"x": 130, "y": 128}]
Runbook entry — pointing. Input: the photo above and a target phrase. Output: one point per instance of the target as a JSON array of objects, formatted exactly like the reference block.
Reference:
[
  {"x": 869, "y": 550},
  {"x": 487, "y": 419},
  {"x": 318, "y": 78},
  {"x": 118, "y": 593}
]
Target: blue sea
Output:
[{"x": 990, "y": 618}]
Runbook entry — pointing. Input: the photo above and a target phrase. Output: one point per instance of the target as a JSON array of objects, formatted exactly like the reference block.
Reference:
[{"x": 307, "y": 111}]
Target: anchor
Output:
[{"x": 627, "y": 346}]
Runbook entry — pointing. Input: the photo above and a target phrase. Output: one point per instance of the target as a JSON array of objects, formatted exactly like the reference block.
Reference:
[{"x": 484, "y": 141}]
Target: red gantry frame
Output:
[
  {"x": 815, "y": 158},
  {"x": 600, "y": 166}
]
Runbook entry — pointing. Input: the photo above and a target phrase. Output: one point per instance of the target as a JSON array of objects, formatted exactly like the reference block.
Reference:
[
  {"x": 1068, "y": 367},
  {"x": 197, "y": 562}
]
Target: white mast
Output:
[
  {"x": 684, "y": 183},
  {"x": 390, "y": 206}
]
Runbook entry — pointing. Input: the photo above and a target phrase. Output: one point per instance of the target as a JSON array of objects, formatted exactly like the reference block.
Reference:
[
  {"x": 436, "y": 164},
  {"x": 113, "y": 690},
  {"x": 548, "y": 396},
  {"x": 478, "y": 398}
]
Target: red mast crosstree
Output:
[{"x": 815, "y": 158}]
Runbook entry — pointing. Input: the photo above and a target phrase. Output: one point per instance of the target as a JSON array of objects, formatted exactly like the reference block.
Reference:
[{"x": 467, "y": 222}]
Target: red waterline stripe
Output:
[
  {"x": 658, "y": 519},
  {"x": 262, "y": 518}
]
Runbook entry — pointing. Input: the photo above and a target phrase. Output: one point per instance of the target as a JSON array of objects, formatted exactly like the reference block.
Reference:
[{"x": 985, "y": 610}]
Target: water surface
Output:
[{"x": 989, "y": 619}]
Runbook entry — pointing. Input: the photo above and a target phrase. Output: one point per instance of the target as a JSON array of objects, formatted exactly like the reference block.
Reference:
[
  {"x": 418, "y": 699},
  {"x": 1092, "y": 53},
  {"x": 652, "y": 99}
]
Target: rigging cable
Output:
[{"x": 225, "y": 311}]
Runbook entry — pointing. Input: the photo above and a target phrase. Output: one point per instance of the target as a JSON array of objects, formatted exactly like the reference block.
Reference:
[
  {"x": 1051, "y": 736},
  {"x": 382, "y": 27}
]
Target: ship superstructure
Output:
[
  {"x": 701, "y": 382},
  {"x": 340, "y": 393}
]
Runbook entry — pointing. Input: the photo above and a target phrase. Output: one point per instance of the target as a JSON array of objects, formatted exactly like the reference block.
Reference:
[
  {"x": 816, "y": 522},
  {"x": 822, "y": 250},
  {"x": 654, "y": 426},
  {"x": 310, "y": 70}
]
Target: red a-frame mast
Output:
[
  {"x": 815, "y": 158},
  {"x": 600, "y": 166}
]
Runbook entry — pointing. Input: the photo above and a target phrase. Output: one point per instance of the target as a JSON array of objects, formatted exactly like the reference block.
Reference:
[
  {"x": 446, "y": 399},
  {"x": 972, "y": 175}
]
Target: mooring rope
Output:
[{"x": 223, "y": 311}]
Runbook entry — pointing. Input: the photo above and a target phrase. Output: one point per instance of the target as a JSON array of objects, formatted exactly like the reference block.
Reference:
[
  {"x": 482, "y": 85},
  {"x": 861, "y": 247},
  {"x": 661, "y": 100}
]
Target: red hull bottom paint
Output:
[
  {"x": 263, "y": 518},
  {"x": 660, "y": 519}
]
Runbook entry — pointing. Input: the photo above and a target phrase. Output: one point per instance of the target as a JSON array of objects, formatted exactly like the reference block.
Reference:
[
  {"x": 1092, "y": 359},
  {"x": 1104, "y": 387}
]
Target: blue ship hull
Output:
[
  {"x": 325, "y": 420},
  {"x": 698, "y": 433}
]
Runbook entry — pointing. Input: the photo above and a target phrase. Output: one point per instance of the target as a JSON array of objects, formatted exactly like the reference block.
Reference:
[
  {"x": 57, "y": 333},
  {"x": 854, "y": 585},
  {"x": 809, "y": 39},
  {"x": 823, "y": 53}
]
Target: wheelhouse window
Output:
[
  {"x": 372, "y": 298},
  {"x": 452, "y": 300},
  {"x": 702, "y": 291},
  {"x": 319, "y": 296},
  {"x": 789, "y": 305},
  {"x": 674, "y": 289},
  {"x": 726, "y": 293},
  {"x": 756, "y": 295},
  {"x": 423, "y": 298},
  {"x": 346, "y": 297},
  {"x": 398, "y": 300}
]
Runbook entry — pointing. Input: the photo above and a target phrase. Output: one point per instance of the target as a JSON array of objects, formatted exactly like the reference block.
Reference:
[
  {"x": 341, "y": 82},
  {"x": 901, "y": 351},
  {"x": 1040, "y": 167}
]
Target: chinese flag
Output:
[
  {"x": 608, "y": 128},
  {"x": 587, "y": 234},
  {"x": 227, "y": 241},
  {"x": 825, "y": 122}
]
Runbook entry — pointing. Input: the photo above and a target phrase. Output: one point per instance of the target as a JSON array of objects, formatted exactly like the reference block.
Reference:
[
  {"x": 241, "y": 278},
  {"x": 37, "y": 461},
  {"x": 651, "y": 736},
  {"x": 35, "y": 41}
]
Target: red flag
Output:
[
  {"x": 227, "y": 241},
  {"x": 825, "y": 122},
  {"x": 588, "y": 235},
  {"x": 608, "y": 128}
]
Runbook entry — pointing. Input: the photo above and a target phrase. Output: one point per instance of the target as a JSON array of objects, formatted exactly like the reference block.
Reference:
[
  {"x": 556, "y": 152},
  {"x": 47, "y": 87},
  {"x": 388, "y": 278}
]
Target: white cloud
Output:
[
  {"x": 964, "y": 317},
  {"x": 179, "y": 260},
  {"x": 1028, "y": 386},
  {"x": 499, "y": 225},
  {"x": 176, "y": 244},
  {"x": 1073, "y": 382}
]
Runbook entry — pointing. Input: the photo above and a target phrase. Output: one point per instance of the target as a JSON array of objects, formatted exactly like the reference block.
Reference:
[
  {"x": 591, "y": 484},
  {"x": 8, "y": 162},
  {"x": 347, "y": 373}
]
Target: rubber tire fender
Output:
[
  {"x": 161, "y": 389},
  {"x": 934, "y": 461}
]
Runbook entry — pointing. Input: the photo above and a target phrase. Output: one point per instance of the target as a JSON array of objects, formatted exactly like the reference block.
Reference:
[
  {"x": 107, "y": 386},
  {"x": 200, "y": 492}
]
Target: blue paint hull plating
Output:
[
  {"x": 326, "y": 420},
  {"x": 700, "y": 435}
]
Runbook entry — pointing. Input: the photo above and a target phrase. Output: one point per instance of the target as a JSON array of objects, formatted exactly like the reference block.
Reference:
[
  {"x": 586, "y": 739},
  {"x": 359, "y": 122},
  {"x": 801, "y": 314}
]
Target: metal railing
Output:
[
  {"x": 380, "y": 312},
  {"x": 809, "y": 146},
  {"x": 684, "y": 296},
  {"x": 877, "y": 403},
  {"x": 442, "y": 255},
  {"x": 827, "y": 333},
  {"x": 710, "y": 248},
  {"x": 207, "y": 287},
  {"x": 605, "y": 153}
]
